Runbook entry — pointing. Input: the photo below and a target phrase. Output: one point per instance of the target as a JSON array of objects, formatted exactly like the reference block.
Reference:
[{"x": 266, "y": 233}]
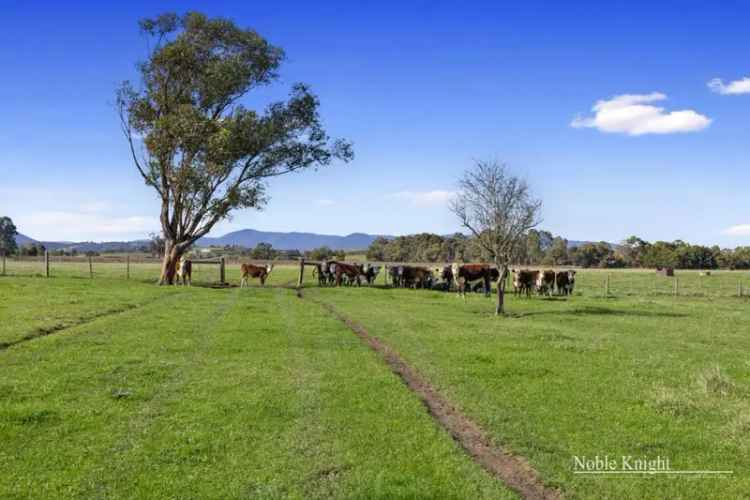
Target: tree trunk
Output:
[
  {"x": 500, "y": 307},
  {"x": 172, "y": 254}
]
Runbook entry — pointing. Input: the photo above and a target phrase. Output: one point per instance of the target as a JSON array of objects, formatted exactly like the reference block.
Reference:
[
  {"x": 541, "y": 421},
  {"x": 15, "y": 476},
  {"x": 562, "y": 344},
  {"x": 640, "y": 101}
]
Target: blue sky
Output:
[{"x": 422, "y": 89}]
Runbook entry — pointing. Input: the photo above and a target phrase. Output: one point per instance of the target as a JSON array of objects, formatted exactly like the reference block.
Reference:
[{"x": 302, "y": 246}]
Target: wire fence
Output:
[{"x": 589, "y": 282}]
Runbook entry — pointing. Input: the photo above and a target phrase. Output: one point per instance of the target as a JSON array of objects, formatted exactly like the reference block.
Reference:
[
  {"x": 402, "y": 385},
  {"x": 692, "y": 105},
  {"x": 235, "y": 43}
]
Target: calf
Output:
[
  {"x": 566, "y": 282},
  {"x": 545, "y": 282},
  {"x": 253, "y": 271},
  {"x": 184, "y": 272}
]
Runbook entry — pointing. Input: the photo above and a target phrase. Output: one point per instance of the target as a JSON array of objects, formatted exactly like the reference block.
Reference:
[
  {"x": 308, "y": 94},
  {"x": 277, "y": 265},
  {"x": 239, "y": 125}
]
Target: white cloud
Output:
[
  {"x": 738, "y": 230},
  {"x": 324, "y": 203},
  {"x": 76, "y": 226},
  {"x": 633, "y": 114},
  {"x": 732, "y": 88},
  {"x": 424, "y": 198}
]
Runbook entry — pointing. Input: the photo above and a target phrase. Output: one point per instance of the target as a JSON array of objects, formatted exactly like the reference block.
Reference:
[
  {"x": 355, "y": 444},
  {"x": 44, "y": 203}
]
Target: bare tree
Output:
[{"x": 498, "y": 209}]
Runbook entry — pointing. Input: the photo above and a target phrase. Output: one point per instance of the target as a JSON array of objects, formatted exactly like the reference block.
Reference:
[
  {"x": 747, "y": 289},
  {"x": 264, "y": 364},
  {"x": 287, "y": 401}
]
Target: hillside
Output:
[
  {"x": 293, "y": 240},
  {"x": 245, "y": 238}
]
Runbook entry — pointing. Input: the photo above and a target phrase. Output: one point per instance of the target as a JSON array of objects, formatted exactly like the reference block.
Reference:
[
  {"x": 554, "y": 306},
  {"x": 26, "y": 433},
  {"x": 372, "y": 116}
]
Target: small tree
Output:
[
  {"x": 8, "y": 234},
  {"x": 498, "y": 209},
  {"x": 156, "y": 244},
  {"x": 263, "y": 251},
  {"x": 203, "y": 152}
]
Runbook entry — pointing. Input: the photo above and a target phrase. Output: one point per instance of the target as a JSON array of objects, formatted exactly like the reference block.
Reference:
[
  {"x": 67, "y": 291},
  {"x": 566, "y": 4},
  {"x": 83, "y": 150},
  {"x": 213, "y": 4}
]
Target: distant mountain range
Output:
[
  {"x": 288, "y": 241},
  {"x": 245, "y": 238},
  {"x": 85, "y": 246}
]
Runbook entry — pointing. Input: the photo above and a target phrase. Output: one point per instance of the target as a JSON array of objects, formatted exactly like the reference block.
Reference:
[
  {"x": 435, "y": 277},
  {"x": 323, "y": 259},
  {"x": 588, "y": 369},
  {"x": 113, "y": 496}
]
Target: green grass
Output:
[
  {"x": 203, "y": 274},
  {"x": 31, "y": 307},
  {"x": 176, "y": 392},
  {"x": 201, "y": 393},
  {"x": 586, "y": 376}
]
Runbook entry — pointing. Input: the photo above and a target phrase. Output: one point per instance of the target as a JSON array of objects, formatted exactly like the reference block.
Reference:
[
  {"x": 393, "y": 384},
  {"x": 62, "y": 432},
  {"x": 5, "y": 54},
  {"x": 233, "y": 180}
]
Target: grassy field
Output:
[
  {"x": 121, "y": 389},
  {"x": 204, "y": 393}
]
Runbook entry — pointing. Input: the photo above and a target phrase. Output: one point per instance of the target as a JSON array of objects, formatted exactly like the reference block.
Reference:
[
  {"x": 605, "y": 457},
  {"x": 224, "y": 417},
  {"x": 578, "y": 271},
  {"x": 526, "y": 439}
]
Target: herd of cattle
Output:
[{"x": 464, "y": 277}]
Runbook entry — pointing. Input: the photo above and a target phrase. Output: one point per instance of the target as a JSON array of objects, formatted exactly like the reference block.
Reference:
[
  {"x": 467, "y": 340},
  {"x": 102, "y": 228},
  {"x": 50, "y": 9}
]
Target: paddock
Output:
[{"x": 329, "y": 392}]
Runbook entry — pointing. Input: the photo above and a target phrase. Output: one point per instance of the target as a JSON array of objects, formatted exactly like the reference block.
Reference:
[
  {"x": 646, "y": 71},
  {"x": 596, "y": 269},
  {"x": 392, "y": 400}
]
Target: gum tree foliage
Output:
[
  {"x": 192, "y": 139},
  {"x": 498, "y": 209},
  {"x": 8, "y": 234},
  {"x": 263, "y": 251}
]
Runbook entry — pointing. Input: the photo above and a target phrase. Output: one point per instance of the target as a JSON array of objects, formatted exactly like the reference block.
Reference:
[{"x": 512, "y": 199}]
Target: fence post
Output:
[
  {"x": 301, "y": 272},
  {"x": 385, "y": 275},
  {"x": 606, "y": 287},
  {"x": 46, "y": 263},
  {"x": 127, "y": 267},
  {"x": 91, "y": 268},
  {"x": 676, "y": 287},
  {"x": 222, "y": 271},
  {"x": 739, "y": 288},
  {"x": 3, "y": 263}
]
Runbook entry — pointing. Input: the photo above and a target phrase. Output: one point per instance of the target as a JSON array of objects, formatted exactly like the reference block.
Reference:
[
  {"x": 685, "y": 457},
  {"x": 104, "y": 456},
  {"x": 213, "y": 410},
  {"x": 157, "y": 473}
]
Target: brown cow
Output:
[
  {"x": 415, "y": 277},
  {"x": 464, "y": 274},
  {"x": 524, "y": 281},
  {"x": 545, "y": 282},
  {"x": 351, "y": 271},
  {"x": 184, "y": 272},
  {"x": 566, "y": 282},
  {"x": 253, "y": 271}
]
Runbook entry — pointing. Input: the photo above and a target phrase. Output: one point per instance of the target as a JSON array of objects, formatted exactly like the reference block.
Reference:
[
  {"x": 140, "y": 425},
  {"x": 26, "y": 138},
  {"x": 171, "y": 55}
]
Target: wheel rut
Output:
[
  {"x": 512, "y": 470},
  {"x": 61, "y": 327}
]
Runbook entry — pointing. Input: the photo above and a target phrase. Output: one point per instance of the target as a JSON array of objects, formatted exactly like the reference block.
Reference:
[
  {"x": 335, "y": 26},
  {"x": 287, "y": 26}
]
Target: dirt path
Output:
[{"x": 512, "y": 470}]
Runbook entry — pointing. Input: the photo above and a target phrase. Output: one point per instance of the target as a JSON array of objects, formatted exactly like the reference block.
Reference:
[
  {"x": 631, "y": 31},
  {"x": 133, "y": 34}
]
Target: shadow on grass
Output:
[{"x": 601, "y": 311}]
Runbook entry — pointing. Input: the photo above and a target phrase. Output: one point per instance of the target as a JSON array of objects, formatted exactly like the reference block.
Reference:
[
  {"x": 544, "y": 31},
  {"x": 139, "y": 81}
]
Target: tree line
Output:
[{"x": 542, "y": 248}]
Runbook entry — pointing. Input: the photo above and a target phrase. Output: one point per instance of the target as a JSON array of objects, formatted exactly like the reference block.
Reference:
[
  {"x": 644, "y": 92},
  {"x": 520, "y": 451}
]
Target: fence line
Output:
[{"x": 685, "y": 283}]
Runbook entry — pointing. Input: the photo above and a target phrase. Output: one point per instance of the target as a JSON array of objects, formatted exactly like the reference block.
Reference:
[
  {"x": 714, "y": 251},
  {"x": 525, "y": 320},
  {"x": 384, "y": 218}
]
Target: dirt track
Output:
[{"x": 514, "y": 471}]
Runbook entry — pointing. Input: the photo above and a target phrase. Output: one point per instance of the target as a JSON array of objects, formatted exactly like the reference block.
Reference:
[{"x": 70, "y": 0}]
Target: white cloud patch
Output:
[
  {"x": 736, "y": 87},
  {"x": 738, "y": 230},
  {"x": 424, "y": 198},
  {"x": 80, "y": 226},
  {"x": 634, "y": 114},
  {"x": 324, "y": 203}
]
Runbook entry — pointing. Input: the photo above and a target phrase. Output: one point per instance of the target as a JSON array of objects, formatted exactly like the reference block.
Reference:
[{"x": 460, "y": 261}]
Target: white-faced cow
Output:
[
  {"x": 253, "y": 271},
  {"x": 324, "y": 273},
  {"x": 566, "y": 282},
  {"x": 370, "y": 273},
  {"x": 184, "y": 272},
  {"x": 524, "y": 281},
  {"x": 545, "y": 282}
]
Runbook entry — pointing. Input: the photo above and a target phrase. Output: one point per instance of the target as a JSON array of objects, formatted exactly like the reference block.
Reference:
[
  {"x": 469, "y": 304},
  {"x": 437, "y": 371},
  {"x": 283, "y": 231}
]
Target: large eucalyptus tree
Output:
[{"x": 194, "y": 141}]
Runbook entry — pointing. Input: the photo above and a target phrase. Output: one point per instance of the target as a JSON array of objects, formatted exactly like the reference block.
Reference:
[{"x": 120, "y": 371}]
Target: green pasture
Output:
[
  {"x": 115, "y": 388},
  {"x": 202, "y": 393}
]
